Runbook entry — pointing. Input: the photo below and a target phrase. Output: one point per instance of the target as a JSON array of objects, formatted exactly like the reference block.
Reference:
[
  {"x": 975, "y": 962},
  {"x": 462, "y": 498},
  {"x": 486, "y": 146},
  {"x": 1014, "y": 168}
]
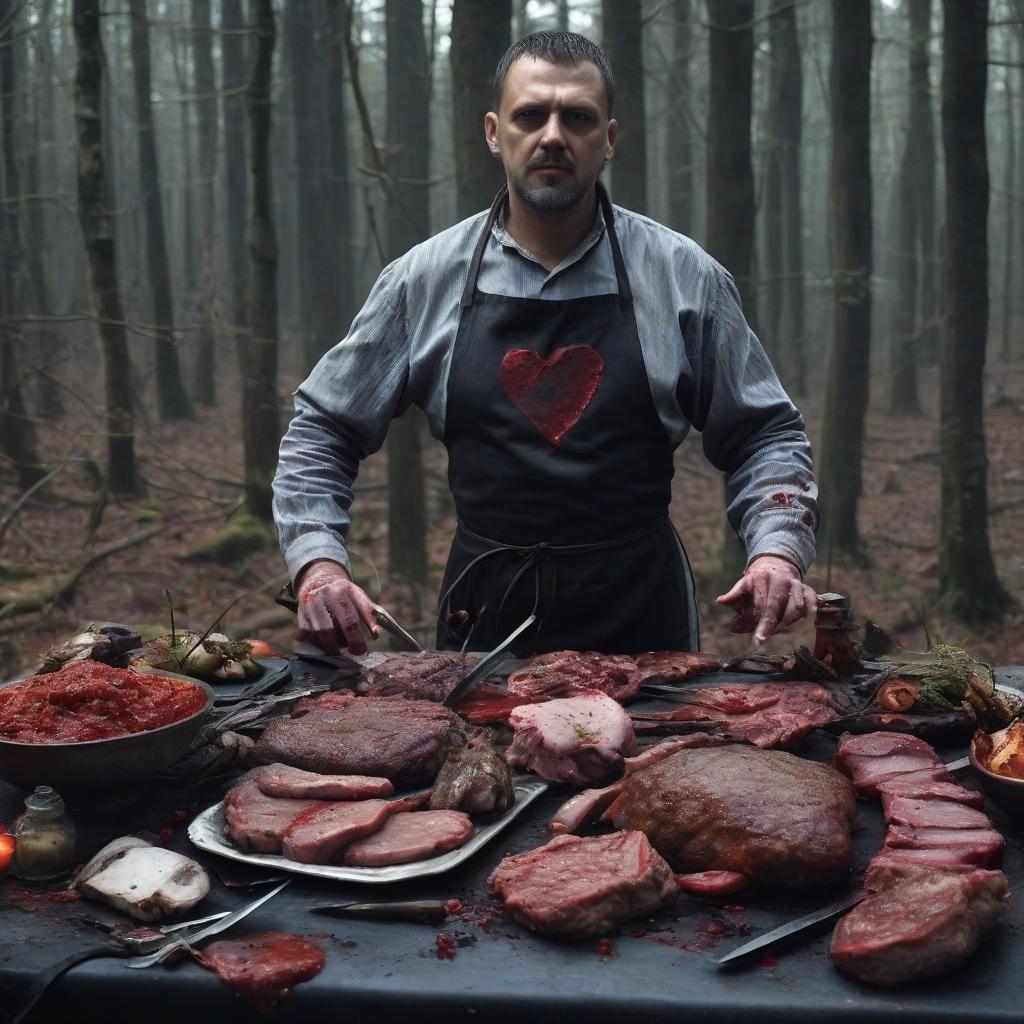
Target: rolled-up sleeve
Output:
[
  {"x": 342, "y": 414},
  {"x": 751, "y": 431}
]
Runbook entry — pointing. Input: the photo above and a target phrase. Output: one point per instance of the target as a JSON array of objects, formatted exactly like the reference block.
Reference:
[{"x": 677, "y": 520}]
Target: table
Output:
[{"x": 659, "y": 970}]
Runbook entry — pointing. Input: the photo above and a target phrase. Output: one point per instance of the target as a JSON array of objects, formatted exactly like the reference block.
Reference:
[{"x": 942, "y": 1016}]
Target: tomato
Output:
[
  {"x": 259, "y": 648},
  {"x": 7, "y": 844}
]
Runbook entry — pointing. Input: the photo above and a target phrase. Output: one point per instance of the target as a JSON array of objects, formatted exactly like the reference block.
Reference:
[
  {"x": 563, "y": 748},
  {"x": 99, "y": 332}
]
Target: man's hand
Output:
[
  {"x": 777, "y": 596},
  {"x": 332, "y": 607}
]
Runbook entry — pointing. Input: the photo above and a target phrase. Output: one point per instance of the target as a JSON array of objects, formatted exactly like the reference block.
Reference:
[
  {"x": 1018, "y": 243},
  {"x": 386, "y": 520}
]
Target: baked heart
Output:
[{"x": 552, "y": 393}]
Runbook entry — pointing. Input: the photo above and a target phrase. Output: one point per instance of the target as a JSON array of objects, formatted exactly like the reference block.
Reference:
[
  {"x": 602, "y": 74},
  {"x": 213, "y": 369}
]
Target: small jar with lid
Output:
[{"x": 44, "y": 837}]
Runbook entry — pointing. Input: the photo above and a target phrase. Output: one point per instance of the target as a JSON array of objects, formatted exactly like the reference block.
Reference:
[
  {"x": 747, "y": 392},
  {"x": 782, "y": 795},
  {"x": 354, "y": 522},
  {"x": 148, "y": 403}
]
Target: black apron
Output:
[{"x": 561, "y": 471}]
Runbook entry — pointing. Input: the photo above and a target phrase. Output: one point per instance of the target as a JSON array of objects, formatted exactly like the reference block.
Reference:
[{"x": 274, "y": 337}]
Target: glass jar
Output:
[{"x": 45, "y": 838}]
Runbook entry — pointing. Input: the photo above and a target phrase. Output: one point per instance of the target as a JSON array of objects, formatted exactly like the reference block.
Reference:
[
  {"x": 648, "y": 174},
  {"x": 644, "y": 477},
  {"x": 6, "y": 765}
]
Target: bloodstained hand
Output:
[
  {"x": 333, "y": 611},
  {"x": 770, "y": 597}
]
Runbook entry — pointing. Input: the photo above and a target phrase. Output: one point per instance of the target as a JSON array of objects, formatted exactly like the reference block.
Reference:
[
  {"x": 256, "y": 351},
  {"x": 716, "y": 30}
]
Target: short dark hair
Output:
[{"x": 556, "y": 48}]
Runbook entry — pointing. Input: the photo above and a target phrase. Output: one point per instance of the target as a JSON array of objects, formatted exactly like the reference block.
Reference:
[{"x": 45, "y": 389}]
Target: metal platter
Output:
[{"x": 207, "y": 832}]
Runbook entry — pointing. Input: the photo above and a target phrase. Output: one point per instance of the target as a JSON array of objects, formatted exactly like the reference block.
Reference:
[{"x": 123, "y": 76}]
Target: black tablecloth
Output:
[{"x": 659, "y": 969}]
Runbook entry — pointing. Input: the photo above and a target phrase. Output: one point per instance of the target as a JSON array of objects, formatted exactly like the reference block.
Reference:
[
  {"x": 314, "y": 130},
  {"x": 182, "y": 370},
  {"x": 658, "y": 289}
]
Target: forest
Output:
[{"x": 196, "y": 197}]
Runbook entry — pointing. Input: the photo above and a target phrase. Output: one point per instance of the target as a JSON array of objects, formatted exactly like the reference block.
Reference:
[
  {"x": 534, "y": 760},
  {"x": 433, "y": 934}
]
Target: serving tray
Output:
[{"x": 207, "y": 832}]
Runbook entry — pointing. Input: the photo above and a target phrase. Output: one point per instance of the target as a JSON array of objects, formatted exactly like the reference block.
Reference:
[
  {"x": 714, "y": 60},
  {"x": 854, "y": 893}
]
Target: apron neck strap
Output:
[{"x": 621, "y": 277}]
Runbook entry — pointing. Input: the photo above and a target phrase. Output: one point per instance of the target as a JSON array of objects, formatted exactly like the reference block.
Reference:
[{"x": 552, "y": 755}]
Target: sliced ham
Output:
[
  {"x": 922, "y": 787},
  {"x": 981, "y": 846},
  {"x": 411, "y": 835},
  {"x": 258, "y": 822},
  {"x": 934, "y": 814},
  {"x": 877, "y": 757},
  {"x": 281, "y": 780},
  {"x": 892, "y": 866}
]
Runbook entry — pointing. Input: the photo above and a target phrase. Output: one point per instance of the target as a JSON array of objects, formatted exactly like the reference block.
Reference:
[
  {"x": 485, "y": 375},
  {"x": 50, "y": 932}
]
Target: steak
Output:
[
  {"x": 766, "y": 814},
  {"x": 765, "y": 714},
  {"x": 411, "y": 835},
  {"x": 920, "y": 928},
  {"x": 320, "y": 834},
  {"x": 282, "y": 781},
  {"x": 258, "y": 822},
  {"x": 712, "y": 883},
  {"x": 566, "y": 673},
  {"x": 263, "y": 966},
  {"x": 577, "y": 739},
  {"x": 572, "y": 888},
  {"x": 405, "y": 741},
  {"x": 876, "y": 757},
  {"x": 674, "y": 666},
  {"x": 420, "y": 675}
]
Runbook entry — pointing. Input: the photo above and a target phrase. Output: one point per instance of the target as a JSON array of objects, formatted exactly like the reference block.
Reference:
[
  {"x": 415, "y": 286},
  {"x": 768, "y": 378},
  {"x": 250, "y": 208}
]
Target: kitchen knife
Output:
[
  {"x": 184, "y": 941},
  {"x": 419, "y": 911},
  {"x": 748, "y": 949},
  {"x": 486, "y": 665}
]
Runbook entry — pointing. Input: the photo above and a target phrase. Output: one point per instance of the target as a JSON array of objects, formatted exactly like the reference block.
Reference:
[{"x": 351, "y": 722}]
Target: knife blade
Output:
[
  {"x": 390, "y": 623},
  {"x": 183, "y": 941},
  {"x": 826, "y": 913},
  {"x": 418, "y": 911},
  {"x": 486, "y": 665}
]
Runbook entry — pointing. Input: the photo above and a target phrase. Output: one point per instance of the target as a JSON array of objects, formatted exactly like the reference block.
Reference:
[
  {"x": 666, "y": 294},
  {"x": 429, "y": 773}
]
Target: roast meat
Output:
[{"x": 411, "y": 835}]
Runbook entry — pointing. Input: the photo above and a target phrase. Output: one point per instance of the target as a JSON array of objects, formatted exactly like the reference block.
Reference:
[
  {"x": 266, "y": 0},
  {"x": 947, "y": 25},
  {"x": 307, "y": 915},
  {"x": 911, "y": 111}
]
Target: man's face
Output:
[{"x": 552, "y": 131}]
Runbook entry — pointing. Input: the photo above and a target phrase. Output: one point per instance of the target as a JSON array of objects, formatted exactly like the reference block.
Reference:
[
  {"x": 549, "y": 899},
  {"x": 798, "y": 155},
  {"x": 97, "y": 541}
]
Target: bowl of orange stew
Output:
[{"x": 90, "y": 726}]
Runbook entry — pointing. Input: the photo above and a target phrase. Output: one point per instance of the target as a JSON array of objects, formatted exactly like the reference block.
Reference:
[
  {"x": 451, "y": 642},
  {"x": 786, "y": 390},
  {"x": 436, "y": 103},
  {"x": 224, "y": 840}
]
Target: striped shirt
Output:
[{"x": 706, "y": 369}]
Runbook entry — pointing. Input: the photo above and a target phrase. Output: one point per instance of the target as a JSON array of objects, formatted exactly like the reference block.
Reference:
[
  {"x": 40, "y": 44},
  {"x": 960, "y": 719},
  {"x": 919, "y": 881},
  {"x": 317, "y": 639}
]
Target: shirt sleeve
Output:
[
  {"x": 342, "y": 414},
  {"x": 751, "y": 431}
]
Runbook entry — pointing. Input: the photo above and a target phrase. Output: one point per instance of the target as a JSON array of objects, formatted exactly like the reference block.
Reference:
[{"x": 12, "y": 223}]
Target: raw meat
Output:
[
  {"x": 981, "y": 846},
  {"x": 474, "y": 779},
  {"x": 263, "y": 966},
  {"x": 579, "y": 739},
  {"x": 766, "y": 814},
  {"x": 666, "y": 748},
  {"x": 920, "y": 928},
  {"x": 405, "y": 741},
  {"x": 564, "y": 673},
  {"x": 712, "y": 883},
  {"x": 572, "y": 887},
  {"x": 891, "y": 866},
  {"x": 877, "y": 757},
  {"x": 917, "y": 788},
  {"x": 411, "y": 835},
  {"x": 674, "y": 666},
  {"x": 422, "y": 675},
  {"x": 934, "y": 814},
  {"x": 295, "y": 784},
  {"x": 258, "y": 822},
  {"x": 486, "y": 704},
  {"x": 320, "y": 835},
  {"x": 765, "y": 714}
]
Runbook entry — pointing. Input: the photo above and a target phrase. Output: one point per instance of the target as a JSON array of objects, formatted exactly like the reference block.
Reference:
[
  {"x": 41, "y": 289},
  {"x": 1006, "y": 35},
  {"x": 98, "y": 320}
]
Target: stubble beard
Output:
[{"x": 548, "y": 198}]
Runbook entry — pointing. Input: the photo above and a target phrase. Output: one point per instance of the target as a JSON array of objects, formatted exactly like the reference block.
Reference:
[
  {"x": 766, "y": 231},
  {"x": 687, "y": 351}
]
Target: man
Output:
[{"x": 561, "y": 349}]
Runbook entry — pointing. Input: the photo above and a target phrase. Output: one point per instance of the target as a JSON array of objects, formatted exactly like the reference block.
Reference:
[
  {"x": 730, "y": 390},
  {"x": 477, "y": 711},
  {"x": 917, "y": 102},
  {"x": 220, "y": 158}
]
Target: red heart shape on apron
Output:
[{"x": 552, "y": 393}]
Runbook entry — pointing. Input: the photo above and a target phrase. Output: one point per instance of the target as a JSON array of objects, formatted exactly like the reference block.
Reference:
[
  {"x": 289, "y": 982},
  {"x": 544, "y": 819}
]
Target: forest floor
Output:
[{"x": 193, "y": 474}]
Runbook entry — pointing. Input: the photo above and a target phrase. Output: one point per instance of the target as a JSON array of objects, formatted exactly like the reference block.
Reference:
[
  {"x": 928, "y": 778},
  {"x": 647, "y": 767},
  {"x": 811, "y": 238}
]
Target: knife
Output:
[
  {"x": 486, "y": 665},
  {"x": 184, "y": 941},
  {"x": 419, "y": 911},
  {"x": 748, "y": 949},
  {"x": 817, "y": 917}
]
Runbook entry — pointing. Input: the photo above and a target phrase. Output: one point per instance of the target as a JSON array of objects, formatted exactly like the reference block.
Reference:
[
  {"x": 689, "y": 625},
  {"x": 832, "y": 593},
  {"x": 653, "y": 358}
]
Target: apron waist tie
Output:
[{"x": 533, "y": 555}]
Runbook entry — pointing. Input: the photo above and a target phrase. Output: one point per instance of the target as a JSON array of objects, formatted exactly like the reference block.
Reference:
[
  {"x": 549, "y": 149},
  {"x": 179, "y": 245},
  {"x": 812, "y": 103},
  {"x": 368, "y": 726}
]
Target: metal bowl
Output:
[
  {"x": 95, "y": 766},
  {"x": 1005, "y": 790}
]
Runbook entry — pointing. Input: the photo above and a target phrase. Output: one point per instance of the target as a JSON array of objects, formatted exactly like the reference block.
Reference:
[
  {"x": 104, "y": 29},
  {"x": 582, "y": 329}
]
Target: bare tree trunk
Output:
[
  {"x": 261, "y": 427},
  {"x": 730, "y": 177},
  {"x": 846, "y": 385},
  {"x": 172, "y": 400},
  {"x": 206, "y": 343},
  {"x": 408, "y": 144},
  {"x": 97, "y": 232},
  {"x": 903, "y": 395},
  {"x": 622, "y": 33},
  {"x": 1010, "y": 220},
  {"x": 968, "y": 585},
  {"x": 679, "y": 141},
  {"x": 921, "y": 139},
  {"x": 561, "y": 16},
  {"x": 520, "y": 20},
  {"x": 480, "y": 35},
  {"x": 235, "y": 76}
]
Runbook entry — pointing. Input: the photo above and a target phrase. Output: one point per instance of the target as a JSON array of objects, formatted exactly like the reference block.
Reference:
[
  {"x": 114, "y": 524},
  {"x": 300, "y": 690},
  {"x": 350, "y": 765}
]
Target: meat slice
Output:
[
  {"x": 421, "y": 675},
  {"x": 295, "y": 784},
  {"x": 405, "y": 741},
  {"x": 920, "y": 928},
  {"x": 565, "y": 673},
  {"x": 765, "y": 714},
  {"x": 766, "y": 814},
  {"x": 409, "y": 836},
  {"x": 915, "y": 787},
  {"x": 674, "y": 666},
  {"x": 263, "y": 966},
  {"x": 258, "y": 822},
  {"x": 572, "y": 887},
  {"x": 578, "y": 739},
  {"x": 892, "y": 866},
  {"x": 934, "y": 814},
  {"x": 981, "y": 846},
  {"x": 320, "y": 835},
  {"x": 876, "y": 757},
  {"x": 712, "y": 883}
]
